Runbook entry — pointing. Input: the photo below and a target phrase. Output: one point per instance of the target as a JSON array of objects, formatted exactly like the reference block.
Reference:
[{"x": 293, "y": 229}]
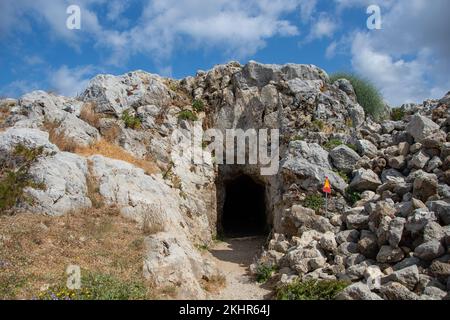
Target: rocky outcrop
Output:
[{"x": 386, "y": 225}]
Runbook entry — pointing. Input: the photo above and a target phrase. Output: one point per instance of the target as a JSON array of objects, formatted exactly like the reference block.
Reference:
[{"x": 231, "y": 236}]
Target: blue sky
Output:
[{"x": 408, "y": 59}]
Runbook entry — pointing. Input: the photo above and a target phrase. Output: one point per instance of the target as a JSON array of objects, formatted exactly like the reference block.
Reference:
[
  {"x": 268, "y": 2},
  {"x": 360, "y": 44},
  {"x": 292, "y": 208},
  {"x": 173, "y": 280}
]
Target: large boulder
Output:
[
  {"x": 344, "y": 158},
  {"x": 425, "y": 186},
  {"x": 420, "y": 127},
  {"x": 429, "y": 250},
  {"x": 29, "y": 138},
  {"x": 357, "y": 291},
  {"x": 365, "y": 180},
  {"x": 308, "y": 165},
  {"x": 65, "y": 178},
  {"x": 115, "y": 94},
  {"x": 366, "y": 148},
  {"x": 170, "y": 260}
]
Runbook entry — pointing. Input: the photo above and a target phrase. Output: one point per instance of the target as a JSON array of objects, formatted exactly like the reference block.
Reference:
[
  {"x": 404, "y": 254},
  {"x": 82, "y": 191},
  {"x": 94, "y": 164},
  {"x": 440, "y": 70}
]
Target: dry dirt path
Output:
[{"x": 233, "y": 257}]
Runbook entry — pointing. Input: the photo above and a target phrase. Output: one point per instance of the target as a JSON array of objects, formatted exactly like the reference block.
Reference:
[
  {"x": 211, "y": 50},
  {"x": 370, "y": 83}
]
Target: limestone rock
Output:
[
  {"x": 420, "y": 127},
  {"x": 344, "y": 158},
  {"x": 365, "y": 180}
]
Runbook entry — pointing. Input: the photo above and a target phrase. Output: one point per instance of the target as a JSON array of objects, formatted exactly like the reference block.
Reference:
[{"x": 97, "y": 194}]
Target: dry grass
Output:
[
  {"x": 213, "y": 284},
  {"x": 93, "y": 191},
  {"x": 109, "y": 150},
  {"x": 88, "y": 114},
  {"x": 35, "y": 250},
  {"x": 4, "y": 114},
  {"x": 111, "y": 133},
  {"x": 58, "y": 137},
  {"x": 153, "y": 220}
]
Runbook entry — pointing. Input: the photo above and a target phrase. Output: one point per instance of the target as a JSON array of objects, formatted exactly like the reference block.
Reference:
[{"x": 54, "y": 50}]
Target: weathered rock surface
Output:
[{"x": 387, "y": 217}]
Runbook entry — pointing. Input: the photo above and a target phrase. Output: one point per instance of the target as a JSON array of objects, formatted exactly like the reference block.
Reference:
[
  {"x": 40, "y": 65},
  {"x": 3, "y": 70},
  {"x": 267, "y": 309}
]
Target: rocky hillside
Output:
[{"x": 386, "y": 228}]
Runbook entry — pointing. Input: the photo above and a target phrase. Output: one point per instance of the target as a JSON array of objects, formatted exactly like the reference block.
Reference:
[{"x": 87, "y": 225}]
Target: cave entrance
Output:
[{"x": 244, "y": 210}]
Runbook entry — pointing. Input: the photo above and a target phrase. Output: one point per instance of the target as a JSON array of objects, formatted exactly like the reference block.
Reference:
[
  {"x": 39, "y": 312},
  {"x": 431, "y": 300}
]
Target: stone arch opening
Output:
[{"x": 244, "y": 211}]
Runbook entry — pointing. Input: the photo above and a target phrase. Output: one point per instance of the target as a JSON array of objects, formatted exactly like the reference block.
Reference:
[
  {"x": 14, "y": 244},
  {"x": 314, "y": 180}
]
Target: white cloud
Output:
[
  {"x": 409, "y": 58},
  {"x": 323, "y": 27},
  {"x": 307, "y": 9},
  {"x": 70, "y": 82},
  {"x": 239, "y": 27},
  {"x": 331, "y": 50}
]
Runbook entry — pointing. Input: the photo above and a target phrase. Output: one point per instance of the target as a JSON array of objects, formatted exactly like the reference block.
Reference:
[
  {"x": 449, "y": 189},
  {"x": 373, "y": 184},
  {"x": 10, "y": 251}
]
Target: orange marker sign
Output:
[{"x": 327, "y": 186}]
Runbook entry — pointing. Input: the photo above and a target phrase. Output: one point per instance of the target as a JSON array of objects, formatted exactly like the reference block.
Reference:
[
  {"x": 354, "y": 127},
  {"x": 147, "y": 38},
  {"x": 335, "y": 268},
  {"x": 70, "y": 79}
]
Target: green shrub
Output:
[
  {"x": 367, "y": 94},
  {"x": 99, "y": 286},
  {"x": 264, "y": 272},
  {"x": 311, "y": 290},
  {"x": 352, "y": 196},
  {"x": 187, "y": 115},
  {"x": 318, "y": 125},
  {"x": 314, "y": 201},
  {"x": 198, "y": 105},
  {"x": 332, "y": 143},
  {"x": 131, "y": 121},
  {"x": 297, "y": 138},
  {"x": 15, "y": 177},
  {"x": 343, "y": 175},
  {"x": 352, "y": 146},
  {"x": 397, "y": 114}
]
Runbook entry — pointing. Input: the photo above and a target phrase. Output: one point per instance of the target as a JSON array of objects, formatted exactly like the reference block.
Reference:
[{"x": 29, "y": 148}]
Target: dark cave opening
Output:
[{"x": 244, "y": 210}]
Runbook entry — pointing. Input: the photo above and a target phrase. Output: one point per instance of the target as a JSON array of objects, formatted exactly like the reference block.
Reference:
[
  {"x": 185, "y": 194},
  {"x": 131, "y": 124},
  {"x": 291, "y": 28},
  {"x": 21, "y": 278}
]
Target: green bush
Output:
[
  {"x": 367, "y": 94},
  {"x": 14, "y": 176},
  {"x": 397, "y": 114},
  {"x": 352, "y": 146},
  {"x": 99, "y": 286},
  {"x": 332, "y": 143},
  {"x": 318, "y": 125},
  {"x": 352, "y": 196},
  {"x": 314, "y": 201},
  {"x": 264, "y": 272},
  {"x": 131, "y": 121},
  {"x": 297, "y": 138},
  {"x": 198, "y": 105},
  {"x": 343, "y": 175},
  {"x": 311, "y": 290},
  {"x": 187, "y": 115}
]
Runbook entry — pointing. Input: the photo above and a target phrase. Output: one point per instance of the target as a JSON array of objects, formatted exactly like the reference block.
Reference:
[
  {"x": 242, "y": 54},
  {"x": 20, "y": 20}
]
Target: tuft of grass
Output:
[
  {"x": 352, "y": 196},
  {"x": 367, "y": 95},
  {"x": 202, "y": 247},
  {"x": 264, "y": 272},
  {"x": 318, "y": 124},
  {"x": 58, "y": 137},
  {"x": 15, "y": 177},
  {"x": 153, "y": 220},
  {"x": 198, "y": 105},
  {"x": 297, "y": 138},
  {"x": 311, "y": 290},
  {"x": 343, "y": 175},
  {"x": 397, "y": 114},
  {"x": 332, "y": 143},
  {"x": 110, "y": 150},
  {"x": 131, "y": 121},
  {"x": 214, "y": 283},
  {"x": 314, "y": 201},
  {"x": 88, "y": 114},
  {"x": 187, "y": 115}
]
